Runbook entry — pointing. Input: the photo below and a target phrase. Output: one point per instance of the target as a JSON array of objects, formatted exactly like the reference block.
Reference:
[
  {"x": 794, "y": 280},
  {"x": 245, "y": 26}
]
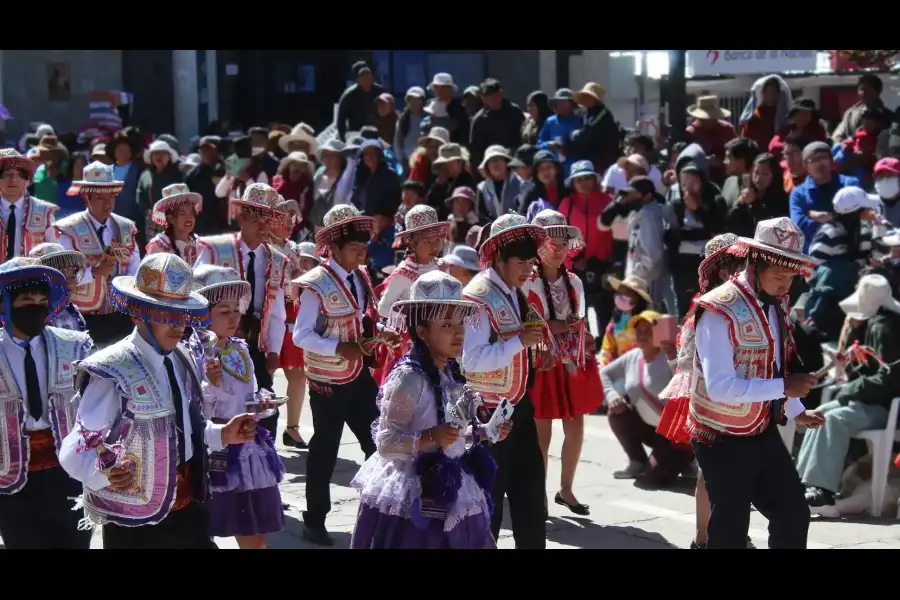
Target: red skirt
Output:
[
  {"x": 291, "y": 355},
  {"x": 558, "y": 394},
  {"x": 385, "y": 359},
  {"x": 673, "y": 421}
]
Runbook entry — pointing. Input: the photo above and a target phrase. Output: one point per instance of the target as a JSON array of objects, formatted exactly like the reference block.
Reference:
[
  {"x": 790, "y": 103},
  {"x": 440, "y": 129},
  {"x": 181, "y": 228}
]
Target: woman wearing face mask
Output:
[
  {"x": 631, "y": 298},
  {"x": 887, "y": 186},
  {"x": 177, "y": 212}
]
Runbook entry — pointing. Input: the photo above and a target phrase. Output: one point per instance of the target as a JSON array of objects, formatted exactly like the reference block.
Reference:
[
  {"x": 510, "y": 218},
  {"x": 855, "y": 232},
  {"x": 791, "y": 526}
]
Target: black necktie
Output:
[
  {"x": 11, "y": 232},
  {"x": 352, "y": 283},
  {"x": 32, "y": 386},
  {"x": 100, "y": 231},
  {"x": 523, "y": 315},
  {"x": 777, "y": 370},
  {"x": 251, "y": 279},
  {"x": 179, "y": 410}
]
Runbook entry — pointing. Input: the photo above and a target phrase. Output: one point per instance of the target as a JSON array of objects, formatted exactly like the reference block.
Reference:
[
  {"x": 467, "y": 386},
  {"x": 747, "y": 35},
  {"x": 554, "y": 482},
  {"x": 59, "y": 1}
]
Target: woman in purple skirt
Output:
[
  {"x": 244, "y": 500},
  {"x": 423, "y": 489}
]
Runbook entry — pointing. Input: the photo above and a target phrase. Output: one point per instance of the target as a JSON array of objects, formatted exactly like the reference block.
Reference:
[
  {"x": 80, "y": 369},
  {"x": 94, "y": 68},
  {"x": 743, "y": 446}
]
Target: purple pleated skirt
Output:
[
  {"x": 375, "y": 530},
  {"x": 245, "y": 513}
]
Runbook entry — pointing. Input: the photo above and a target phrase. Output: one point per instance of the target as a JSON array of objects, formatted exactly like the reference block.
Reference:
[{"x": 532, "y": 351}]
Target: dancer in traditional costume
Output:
[
  {"x": 244, "y": 500},
  {"x": 423, "y": 489},
  {"x": 566, "y": 379},
  {"x": 71, "y": 264},
  {"x": 250, "y": 254},
  {"x": 140, "y": 440},
  {"x": 177, "y": 211},
  {"x": 36, "y": 409},
  {"x": 738, "y": 389},
  {"x": 336, "y": 330},
  {"x": 25, "y": 221},
  {"x": 108, "y": 242},
  {"x": 423, "y": 238},
  {"x": 718, "y": 266},
  {"x": 498, "y": 363}
]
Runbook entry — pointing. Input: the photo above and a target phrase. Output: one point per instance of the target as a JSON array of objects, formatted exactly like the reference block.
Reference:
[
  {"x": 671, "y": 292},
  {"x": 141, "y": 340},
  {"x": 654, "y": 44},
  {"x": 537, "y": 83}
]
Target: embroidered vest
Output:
[
  {"x": 224, "y": 251},
  {"x": 292, "y": 270},
  {"x": 38, "y": 218},
  {"x": 162, "y": 244},
  {"x": 569, "y": 346},
  {"x": 63, "y": 348},
  {"x": 338, "y": 319},
  {"x": 754, "y": 354},
  {"x": 512, "y": 380},
  {"x": 69, "y": 318},
  {"x": 93, "y": 297},
  {"x": 146, "y": 428}
]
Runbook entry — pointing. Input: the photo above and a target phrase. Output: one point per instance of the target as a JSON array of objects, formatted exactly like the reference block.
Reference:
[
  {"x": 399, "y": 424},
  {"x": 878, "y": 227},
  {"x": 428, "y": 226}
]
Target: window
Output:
[
  {"x": 293, "y": 78},
  {"x": 467, "y": 68}
]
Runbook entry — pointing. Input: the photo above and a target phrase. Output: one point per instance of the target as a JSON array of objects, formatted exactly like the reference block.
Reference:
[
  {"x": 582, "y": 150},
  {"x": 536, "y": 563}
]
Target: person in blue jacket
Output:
[
  {"x": 559, "y": 126},
  {"x": 812, "y": 202}
]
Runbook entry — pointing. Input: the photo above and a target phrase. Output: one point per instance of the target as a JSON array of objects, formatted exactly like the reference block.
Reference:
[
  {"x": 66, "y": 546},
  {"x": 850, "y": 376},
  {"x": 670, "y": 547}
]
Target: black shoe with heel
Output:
[{"x": 288, "y": 440}]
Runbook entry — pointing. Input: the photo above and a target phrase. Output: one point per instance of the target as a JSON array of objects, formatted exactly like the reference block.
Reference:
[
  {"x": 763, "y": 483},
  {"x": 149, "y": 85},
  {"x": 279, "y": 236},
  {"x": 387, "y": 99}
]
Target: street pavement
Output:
[{"x": 622, "y": 515}]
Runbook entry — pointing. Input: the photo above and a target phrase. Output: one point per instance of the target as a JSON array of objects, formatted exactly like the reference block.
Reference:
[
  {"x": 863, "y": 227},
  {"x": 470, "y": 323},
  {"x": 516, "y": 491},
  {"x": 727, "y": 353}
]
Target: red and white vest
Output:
[{"x": 38, "y": 218}]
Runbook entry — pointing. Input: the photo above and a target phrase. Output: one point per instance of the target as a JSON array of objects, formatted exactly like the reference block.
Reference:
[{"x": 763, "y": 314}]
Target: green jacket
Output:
[{"x": 872, "y": 383}]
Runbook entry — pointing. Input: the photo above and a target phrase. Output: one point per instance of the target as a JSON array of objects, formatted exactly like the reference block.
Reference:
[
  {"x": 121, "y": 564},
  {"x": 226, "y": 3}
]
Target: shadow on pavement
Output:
[
  {"x": 584, "y": 533},
  {"x": 683, "y": 485},
  {"x": 291, "y": 537},
  {"x": 295, "y": 469}
]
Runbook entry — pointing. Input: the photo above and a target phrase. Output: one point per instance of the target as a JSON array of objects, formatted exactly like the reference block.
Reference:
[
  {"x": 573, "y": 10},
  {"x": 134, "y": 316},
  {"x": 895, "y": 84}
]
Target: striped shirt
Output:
[{"x": 832, "y": 241}]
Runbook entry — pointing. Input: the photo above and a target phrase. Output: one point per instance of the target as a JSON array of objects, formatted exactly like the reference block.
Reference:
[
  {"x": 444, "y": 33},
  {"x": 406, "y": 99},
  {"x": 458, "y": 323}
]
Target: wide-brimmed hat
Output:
[
  {"x": 582, "y": 168},
  {"x": 707, "y": 107},
  {"x": 429, "y": 298},
  {"x": 779, "y": 242},
  {"x": 438, "y": 134},
  {"x": 297, "y": 157},
  {"x": 334, "y": 145},
  {"x": 556, "y": 225},
  {"x": 633, "y": 283},
  {"x": 562, "y": 94},
  {"x": 463, "y": 256},
  {"x": 260, "y": 199},
  {"x": 12, "y": 159},
  {"x": 340, "y": 220},
  {"x": 461, "y": 192},
  {"x": 300, "y": 133},
  {"x": 507, "y": 229},
  {"x": 174, "y": 196},
  {"x": 807, "y": 104},
  {"x": 219, "y": 284},
  {"x": 160, "y": 146},
  {"x": 161, "y": 292},
  {"x": 51, "y": 143},
  {"x": 290, "y": 208},
  {"x": 308, "y": 250},
  {"x": 422, "y": 218},
  {"x": 449, "y": 153},
  {"x": 873, "y": 292},
  {"x": 715, "y": 255},
  {"x": 442, "y": 80},
  {"x": 96, "y": 177},
  {"x": 650, "y": 316},
  {"x": 591, "y": 89},
  {"x": 23, "y": 271},
  {"x": 492, "y": 152},
  {"x": 51, "y": 254}
]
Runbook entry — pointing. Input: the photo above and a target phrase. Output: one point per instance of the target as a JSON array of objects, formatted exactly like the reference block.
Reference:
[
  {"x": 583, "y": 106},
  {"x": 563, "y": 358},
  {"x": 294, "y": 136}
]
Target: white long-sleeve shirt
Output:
[
  {"x": 101, "y": 405},
  {"x": 479, "y": 354},
  {"x": 133, "y": 262},
  {"x": 398, "y": 289},
  {"x": 15, "y": 357},
  {"x": 716, "y": 354},
  {"x": 19, "y": 205}
]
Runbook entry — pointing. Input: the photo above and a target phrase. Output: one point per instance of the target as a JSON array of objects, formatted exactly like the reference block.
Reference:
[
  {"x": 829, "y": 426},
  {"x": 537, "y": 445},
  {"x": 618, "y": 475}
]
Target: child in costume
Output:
[{"x": 177, "y": 211}]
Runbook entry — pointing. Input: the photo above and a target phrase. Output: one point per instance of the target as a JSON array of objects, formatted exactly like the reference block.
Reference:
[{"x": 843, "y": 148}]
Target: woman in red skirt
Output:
[
  {"x": 717, "y": 267},
  {"x": 566, "y": 373}
]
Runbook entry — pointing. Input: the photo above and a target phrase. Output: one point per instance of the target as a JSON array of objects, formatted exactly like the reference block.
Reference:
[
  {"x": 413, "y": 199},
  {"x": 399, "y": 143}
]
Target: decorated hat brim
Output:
[
  {"x": 63, "y": 257},
  {"x": 105, "y": 187},
  {"x": 431, "y": 310},
  {"x": 325, "y": 235},
  {"x": 442, "y": 226},
  {"x": 486, "y": 253},
  {"x": 19, "y": 162},
  {"x": 127, "y": 298},
  {"x": 711, "y": 264},
  {"x": 573, "y": 234},
  {"x": 239, "y": 203},
  {"x": 403, "y": 306},
  {"x": 227, "y": 290},
  {"x": 166, "y": 204},
  {"x": 793, "y": 261},
  {"x": 37, "y": 273}
]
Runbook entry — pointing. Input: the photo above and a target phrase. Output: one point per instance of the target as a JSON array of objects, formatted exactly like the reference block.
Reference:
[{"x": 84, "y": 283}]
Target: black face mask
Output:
[{"x": 30, "y": 319}]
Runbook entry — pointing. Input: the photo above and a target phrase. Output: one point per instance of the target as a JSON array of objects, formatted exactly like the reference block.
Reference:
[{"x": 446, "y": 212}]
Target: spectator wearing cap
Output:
[
  {"x": 370, "y": 132},
  {"x": 638, "y": 153},
  {"x": 869, "y": 88},
  {"x": 597, "y": 138},
  {"x": 558, "y": 127},
  {"x": 454, "y": 117},
  {"x": 471, "y": 100},
  {"x": 386, "y": 123},
  {"x": 537, "y": 105},
  {"x": 805, "y": 119},
  {"x": 498, "y": 123},
  {"x": 356, "y": 107},
  {"x": 812, "y": 202},
  {"x": 406, "y": 137},
  {"x": 739, "y": 156},
  {"x": 200, "y": 180},
  {"x": 422, "y": 160},
  {"x": 548, "y": 185},
  {"x": 451, "y": 169},
  {"x": 887, "y": 186},
  {"x": 712, "y": 130},
  {"x": 856, "y": 155},
  {"x": 162, "y": 171},
  {"x": 501, "y": 191},
  {"x": 376, "y": 188},
  {"x": 462, "y": 217},
  {"x": 522, "y": 165}
]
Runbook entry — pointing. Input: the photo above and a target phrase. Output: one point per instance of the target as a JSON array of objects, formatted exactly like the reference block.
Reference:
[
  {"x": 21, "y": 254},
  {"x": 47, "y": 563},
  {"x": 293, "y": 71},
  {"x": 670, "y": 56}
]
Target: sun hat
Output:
[
  {"x": 219, "y": 284},
  {"x": 648, "y": 315},
  {"x": 53, "y": 255},
  {"x": 300, "y": 133},
  {"x": 414, "y": 92},
  {"x": 429, "y": 298},
  {"x": 582, "y": 168},
  {"x": 308, "y": 250},
  {"x": 556, "y": 225},
  {"x": 10, "y": 158},
  {"x": 160, "y": 146},
  {"x": 507, "y": 229},
  {"x": 463, "y": 256},
  {"x": 340, "y": 220},
  {"x": 873, "y": 292},
  {"x": 23, "y": 271},
  {"x": 450, "y": 152},
  {"x": 492, "y": 152},
  {"x": 442, "y": 80},
  {"x": 161, "y": 292},
  {"x": 707, "y": 107},
  {"x": 297, "y": 157},
  {"x": 51, "y": 143},
  {"x": 461, "y": 192},
  {"x": 562, "y": 94},
  {"x": 715, "y": 256},
  {"x": 260, "y": 199},
  {"x": 633, "y": 283},
  {"x": 98, "y": 178},
  {"x": 779, "y": 242},
  {"x": 334, "y": 145},
  {"x": 438, "y": 134},
  {"x": 173, "y": 196},
  {"x": 851, "y": 199},
  {"x": 592, "y": 90},
  {"x": 422, "y": 218}
]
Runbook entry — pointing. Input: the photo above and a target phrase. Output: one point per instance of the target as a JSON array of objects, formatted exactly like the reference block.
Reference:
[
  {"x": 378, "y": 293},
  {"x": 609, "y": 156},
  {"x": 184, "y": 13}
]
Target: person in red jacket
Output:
[{"x": 582, "y": 209}]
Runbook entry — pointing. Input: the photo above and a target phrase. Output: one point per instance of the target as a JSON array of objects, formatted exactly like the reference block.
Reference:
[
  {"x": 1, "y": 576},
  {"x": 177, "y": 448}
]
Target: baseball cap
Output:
[
  {"x": 638, "y": 185},
  {"x": 851, "y": 199},
  {"x": 815, "y": 148},
  {"x": 635, "y": 159},
  {"x": 887, "y": 166}
]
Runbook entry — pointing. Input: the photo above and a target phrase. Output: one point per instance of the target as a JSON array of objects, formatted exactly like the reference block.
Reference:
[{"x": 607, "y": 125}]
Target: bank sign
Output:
[{"x": 749, "y": 62}]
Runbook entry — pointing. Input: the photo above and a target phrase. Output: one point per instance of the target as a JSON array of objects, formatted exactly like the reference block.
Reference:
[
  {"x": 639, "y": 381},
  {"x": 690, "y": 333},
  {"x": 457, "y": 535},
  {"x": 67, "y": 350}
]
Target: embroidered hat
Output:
[
  {"x": 23, "y": 271},
  {"x": 10, "y": 158},
  {"x": 556, "y": 225},
  {"x": 96, "y": 177},
  {"x": 291, "y": 210},
  {"x": 219, "y": 284},
  {"x": 493, "y": 152},
  {"x": 53, "y": 255},
  {"x": 633, "y": 283},
  {"x": 779, "y": 242},
  {"x": 422, "y": 218},
  {"x": 429, "y": 298},
  {"x": 873, "y": 292},
  {"x": 300, "y": 133},
  {"x": 260, "y": 199},
  {"x": 506, "y": 229},
  {"x": 716, "y": 257},
  {"x": 339, "y": 221},
  {"x": 174, "y": 196},
  {"x": 161, "y": 293}
]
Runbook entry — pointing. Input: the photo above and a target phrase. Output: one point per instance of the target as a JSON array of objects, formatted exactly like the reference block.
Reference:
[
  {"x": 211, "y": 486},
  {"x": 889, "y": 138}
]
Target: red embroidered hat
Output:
[
  {"x": 779, "y": 242},
  {"x": 10, "y": 158}
]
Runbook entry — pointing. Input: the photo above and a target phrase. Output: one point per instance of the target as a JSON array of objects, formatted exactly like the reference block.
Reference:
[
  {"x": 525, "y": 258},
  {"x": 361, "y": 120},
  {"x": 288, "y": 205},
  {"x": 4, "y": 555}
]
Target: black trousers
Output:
[
  {"x": 108, "y": 329},
  {"x": 352, "y": 403},
  {"x": 684, "y": 276},
  {"x": 184, "y": 529},
  {"x": 757, "y": 470},
  {"x": 263, "y": 377},
  {"x": 40, "y": 515},
  {"x": 520, "y": 477}
]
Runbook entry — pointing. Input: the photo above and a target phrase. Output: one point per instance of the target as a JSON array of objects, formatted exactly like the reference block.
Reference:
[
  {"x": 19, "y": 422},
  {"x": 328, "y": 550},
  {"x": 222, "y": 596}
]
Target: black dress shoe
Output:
[
  {"x": 316, "y": 534},
  {"x": 290, "y": 442},
  {"x": 579, "y": 509},
  {"x": 696, "y": 546}
]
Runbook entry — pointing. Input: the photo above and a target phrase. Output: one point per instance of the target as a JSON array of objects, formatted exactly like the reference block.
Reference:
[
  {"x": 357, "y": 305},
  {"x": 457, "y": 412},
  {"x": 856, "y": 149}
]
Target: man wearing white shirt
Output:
[
  {"x": 741, "y": 392},
  {"x": 25, "y": 222},
  {"x": 36, "y": 391},
  {"x": 108, "y": 242},
  {"x": 331, "y": 327}
]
